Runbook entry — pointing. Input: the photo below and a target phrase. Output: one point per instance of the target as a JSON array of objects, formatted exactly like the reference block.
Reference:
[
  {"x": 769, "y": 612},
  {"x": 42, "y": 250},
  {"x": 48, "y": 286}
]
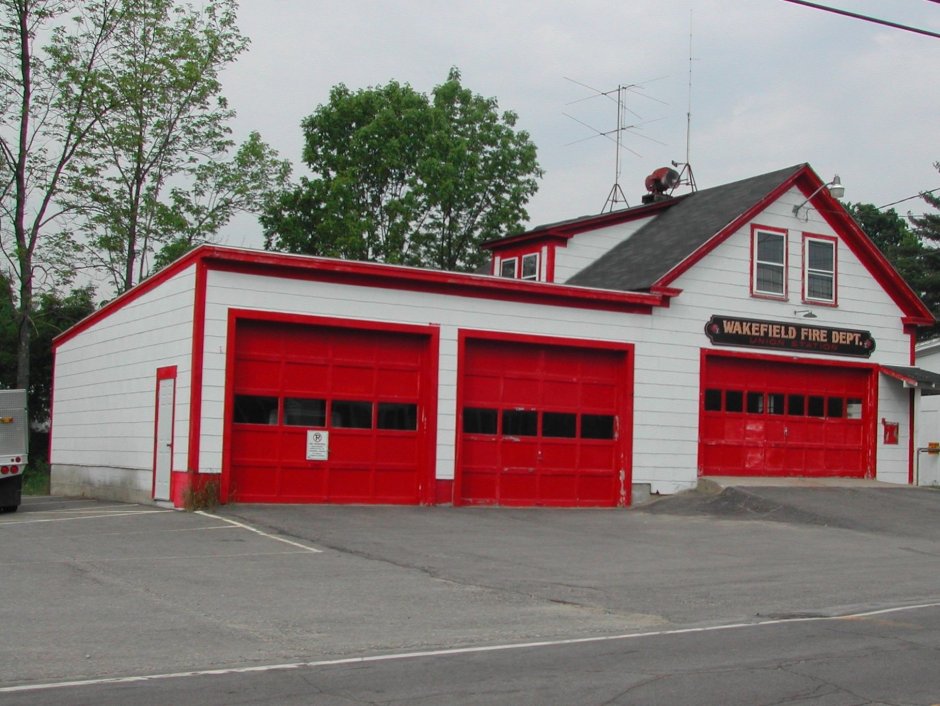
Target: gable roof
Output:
[
  {"x": 692, "y": 225},
  {"x": 644, "y": 259}
]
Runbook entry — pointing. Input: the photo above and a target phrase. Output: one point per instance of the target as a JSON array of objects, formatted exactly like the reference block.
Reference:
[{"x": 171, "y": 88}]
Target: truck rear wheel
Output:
[{"x": 9, "y": 508}]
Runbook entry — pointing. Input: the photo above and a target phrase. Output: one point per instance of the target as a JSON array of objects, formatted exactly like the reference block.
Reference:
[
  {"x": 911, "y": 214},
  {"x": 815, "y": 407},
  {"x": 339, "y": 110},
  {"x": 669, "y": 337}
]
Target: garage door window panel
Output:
[
  {"x": 351, "y": 414},
  {"x": 517, "y": 422},
  {"x": 304, "y": 412},
  {"x": 255, "y": 409},
  {"x": 559, "y": 424},
  {"x": 399, "y": 416},
  {"x": 597, "y": 426},
  {"x": 480, "y": 421}
]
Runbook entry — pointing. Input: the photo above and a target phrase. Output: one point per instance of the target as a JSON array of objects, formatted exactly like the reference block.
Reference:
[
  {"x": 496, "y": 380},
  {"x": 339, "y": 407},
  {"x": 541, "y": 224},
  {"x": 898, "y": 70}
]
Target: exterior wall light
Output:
[
  {"x": 805, "y": 313},
  {"x": 835, "y": 188}
]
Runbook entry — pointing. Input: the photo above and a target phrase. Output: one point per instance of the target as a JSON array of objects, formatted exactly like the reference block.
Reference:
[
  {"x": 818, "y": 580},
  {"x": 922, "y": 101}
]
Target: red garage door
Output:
[
  {"x": 331, "y": 415},
  {"x": 765, "y": 418},
  {"x": 542, "y": 425}
]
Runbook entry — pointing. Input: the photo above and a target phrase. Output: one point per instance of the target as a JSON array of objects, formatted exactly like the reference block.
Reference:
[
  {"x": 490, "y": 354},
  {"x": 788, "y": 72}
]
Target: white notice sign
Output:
[{"x": 318, "y": 445}]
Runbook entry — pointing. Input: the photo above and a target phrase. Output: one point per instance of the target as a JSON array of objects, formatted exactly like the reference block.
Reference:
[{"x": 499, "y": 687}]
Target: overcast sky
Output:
[{"x": 773, "y": 84}]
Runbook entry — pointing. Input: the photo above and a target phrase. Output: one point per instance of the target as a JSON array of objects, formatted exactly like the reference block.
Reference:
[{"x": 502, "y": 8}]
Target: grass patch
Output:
[
  {"x": 204, "y": 498},
  {"x": 36, "y": 478}
]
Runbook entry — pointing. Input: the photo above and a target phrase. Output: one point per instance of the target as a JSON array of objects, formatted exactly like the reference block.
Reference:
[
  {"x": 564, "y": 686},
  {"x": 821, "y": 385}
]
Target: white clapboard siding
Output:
[
  {"x": 720, "y": 284},
  {"x": 105, "y": 382},
  {"x": 228, "y": 289},
  {"x": 585, "y": 248}
]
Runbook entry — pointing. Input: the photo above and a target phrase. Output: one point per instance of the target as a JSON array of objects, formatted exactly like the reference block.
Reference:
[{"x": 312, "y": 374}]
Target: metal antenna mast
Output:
[
  {"x": 686, "y": 176},
  {"x": 616, "y": 194}
]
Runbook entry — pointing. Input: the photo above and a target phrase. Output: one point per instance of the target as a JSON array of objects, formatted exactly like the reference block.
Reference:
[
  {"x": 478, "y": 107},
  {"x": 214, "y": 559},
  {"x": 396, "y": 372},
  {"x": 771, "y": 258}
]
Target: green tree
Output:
[
  {"x": 402, "y": 177},
  {"x": 927, "y": 226},
  {"x": 904, "y": 248},
  {"x": 50, "y": 100},
  {"x": 153, "y": 172},
  {"x": 53, "y": 315},
  {"x": 8, "y": 334}
]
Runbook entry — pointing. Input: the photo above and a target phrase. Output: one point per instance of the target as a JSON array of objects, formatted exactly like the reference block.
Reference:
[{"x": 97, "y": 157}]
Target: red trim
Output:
[
  {"x": 429, "y": 397},
  {"x": 443, "y": 491},
  {"x": 550, "y": 263},
  {"x": 166, "y": 373},
  {"x": 566, "y": 230},
  {"x": 369, "y": 274},
  {"x": 626, "y": 412},
  {"x": 835, "y": 270},
  {"x": 51, "y": 409},
  {"x": 871, "y": 402},
  {"x": 910, "y": 441},
  {"x": 808, "y": 182},
  {"x": 727, "y": 232},
  {"x": 755, "y": 229},
  {"x": 865, "y": 250},
  {"x": 196, "y": 366},
  {"x": 898, "y": 376},
  {"x": 123, "y": 300}
]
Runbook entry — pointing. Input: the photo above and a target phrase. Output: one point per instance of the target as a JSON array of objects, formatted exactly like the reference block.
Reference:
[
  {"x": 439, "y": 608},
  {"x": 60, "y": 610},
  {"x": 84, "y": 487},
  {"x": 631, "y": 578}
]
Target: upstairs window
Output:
[
  {"x": 507, "y": 267},
  {"x": 819, "y": 270},
  {"x": 530, "y": 266},
  {"x": 769, "y": 254},
  {"x": 524, "y": 267}
]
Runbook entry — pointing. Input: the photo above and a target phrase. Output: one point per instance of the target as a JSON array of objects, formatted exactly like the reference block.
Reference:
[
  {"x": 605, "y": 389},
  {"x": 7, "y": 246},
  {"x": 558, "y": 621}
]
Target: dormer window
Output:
[
  {"x": 524, "y": 267},
  {"x": 507, "y": 267},
  {"x": 530, "y": 266}
]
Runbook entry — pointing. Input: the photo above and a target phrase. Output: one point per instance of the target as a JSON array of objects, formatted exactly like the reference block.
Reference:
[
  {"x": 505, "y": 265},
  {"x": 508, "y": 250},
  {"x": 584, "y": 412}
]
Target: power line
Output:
[
  {"x": 866, "y": 18},
  {"x": 915, "y": 196}
]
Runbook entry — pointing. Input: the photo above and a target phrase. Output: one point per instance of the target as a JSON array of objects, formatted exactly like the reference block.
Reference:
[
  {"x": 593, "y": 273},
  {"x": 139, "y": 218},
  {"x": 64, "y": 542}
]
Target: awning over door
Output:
[{"x": 926, "y": 381}]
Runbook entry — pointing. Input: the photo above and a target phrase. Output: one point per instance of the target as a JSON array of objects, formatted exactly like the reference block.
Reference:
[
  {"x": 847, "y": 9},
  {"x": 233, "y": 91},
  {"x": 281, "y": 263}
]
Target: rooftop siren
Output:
[{"x": 659, "y": 182}]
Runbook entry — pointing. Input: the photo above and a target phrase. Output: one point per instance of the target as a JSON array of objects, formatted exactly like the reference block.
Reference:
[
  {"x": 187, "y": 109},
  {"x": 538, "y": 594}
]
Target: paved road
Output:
[
  {"x": 96, "y": 591},
  {"x": 881, "y": 658}
]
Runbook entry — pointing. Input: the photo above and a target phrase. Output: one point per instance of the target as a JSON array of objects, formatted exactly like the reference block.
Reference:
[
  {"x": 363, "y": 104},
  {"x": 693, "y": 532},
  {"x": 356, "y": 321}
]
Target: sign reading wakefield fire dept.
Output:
[{"x": 729, "y": 331}]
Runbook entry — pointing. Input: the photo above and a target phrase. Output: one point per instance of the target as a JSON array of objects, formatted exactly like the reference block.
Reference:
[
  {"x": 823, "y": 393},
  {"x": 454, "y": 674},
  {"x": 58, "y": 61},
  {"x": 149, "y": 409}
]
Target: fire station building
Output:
[{"x": 749, "y": 329}]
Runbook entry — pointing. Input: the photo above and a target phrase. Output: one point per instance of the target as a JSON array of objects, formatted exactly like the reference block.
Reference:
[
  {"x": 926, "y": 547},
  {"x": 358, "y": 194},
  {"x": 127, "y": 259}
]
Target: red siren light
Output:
[{"x": 662, "y": 180}]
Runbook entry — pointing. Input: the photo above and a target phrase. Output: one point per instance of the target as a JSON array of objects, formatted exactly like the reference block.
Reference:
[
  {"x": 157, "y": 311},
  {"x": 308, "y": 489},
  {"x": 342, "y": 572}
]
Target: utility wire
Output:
[
  {"x": 915, "y": 196},
  {"x": 867, "y": 18}
]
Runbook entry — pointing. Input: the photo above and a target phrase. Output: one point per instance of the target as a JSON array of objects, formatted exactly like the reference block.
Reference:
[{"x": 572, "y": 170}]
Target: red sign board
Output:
[{"x": 779, "y": 335}]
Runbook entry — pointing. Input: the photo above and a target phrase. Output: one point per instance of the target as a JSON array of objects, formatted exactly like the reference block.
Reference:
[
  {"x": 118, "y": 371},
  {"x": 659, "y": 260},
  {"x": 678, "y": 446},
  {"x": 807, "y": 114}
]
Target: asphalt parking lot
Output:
[{"x": 90, "y": 590}]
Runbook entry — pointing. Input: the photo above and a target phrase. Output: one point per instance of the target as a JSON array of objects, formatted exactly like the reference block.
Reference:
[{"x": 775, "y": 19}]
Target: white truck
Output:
[{"x": 14, "y": 443}]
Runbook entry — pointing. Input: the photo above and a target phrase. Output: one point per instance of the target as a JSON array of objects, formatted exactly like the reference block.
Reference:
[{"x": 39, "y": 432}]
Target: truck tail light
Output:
[{"x": 4, "y": 469}]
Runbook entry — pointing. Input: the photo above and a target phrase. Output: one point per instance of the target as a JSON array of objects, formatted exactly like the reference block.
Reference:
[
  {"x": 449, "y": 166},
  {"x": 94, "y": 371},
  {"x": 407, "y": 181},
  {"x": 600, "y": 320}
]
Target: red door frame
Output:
[
  {"x": 428, "y": 399},
  {"x": 167, "y": 373},
  {"x": 625, "y": 413},
  {"x": 871, "y": 397}
]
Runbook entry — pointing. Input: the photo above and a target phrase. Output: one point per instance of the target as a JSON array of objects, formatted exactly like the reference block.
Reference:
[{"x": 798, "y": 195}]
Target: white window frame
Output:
[
  {"x": 515, "y": 267},
  {"x": 809, "y": 272},
  {"x": 756, "y": 263},
  {"x": 529, "y": 257}
]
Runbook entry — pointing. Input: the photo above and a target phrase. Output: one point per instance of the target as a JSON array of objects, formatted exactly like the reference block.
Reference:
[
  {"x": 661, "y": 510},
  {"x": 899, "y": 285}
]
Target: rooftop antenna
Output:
[
  {"x": 686, "y": 177},
  {"x": 615, "y": 195}
]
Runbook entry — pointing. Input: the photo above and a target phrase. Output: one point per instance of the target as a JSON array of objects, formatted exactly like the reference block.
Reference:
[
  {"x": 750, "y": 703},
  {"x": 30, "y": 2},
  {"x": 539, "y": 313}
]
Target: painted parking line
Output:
[
  {"x": 456, "y": 651},
  {"x": 260, "y": 532},
  {"x": 127, "y": 513}
]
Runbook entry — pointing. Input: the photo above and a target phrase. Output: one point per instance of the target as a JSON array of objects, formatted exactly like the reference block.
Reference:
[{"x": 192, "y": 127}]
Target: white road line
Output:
[
  {"x": 257, "y": 531},
  {"x": 122, "y": 507},
  {"x": 7, "y": 523},
  {"x": 451, "y": 651}
]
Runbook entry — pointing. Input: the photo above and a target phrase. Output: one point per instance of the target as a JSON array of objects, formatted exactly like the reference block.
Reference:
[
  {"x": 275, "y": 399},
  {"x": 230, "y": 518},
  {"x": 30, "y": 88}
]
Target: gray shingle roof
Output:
[{"x": 676, "y": 232}]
